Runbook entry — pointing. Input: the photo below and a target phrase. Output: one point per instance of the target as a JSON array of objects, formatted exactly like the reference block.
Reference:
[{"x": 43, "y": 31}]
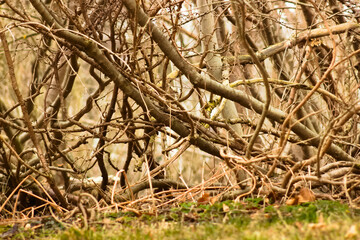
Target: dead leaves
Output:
[
  {"x": 207, "y": 199},
  {"x": 305, "y": 195},
  {"x": 320, "y": 225},
  {"x": 225, "y": 208},
  {"x": 352, "y": 232},
  {"x": 326, "y": 228}
]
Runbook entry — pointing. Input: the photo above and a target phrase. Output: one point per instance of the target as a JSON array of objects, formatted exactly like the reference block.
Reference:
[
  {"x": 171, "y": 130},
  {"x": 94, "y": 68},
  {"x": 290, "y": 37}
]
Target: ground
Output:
[{"x": 250, "y": 219}]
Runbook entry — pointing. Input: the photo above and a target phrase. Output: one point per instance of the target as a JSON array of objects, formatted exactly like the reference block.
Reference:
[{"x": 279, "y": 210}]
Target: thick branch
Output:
[
  {"x": 293, "y": 41},
  {"x": 236, "y": 95},
  {"x": 92, "y": 50}
]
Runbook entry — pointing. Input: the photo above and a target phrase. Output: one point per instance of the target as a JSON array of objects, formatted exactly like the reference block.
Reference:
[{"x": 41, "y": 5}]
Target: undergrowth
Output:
[{"x": 250, "y": 219}]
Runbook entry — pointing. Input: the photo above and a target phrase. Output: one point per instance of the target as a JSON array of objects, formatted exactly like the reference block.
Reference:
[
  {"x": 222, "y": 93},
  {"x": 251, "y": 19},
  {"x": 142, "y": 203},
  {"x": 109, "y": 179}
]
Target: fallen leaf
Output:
[
  {"x": 214, "y": 200},
  {"x": 306, "y": 195},
  {"x": 352, "y": 232},
  {"x": 292, "y": 201},
  {"x": 225, "y": 208},
  {"x": 314, "y": 226},
  {"x": 319, "y": 225},
  {"x": 204, "y": 199}
]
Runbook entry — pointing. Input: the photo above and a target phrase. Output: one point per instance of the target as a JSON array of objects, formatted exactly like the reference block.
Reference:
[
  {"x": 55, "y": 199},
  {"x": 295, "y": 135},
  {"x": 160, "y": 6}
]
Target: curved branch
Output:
[
  {"x": 93, "y": 50},
  {"x": 238, "y": 96},
  {"x": 27, "y": 120},
  {"x": 264, "y": 73}
]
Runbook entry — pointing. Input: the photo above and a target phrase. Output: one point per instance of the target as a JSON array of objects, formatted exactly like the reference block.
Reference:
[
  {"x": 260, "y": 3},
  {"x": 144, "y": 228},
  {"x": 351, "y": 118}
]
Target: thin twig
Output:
[{"x": 265, "y": 75}]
